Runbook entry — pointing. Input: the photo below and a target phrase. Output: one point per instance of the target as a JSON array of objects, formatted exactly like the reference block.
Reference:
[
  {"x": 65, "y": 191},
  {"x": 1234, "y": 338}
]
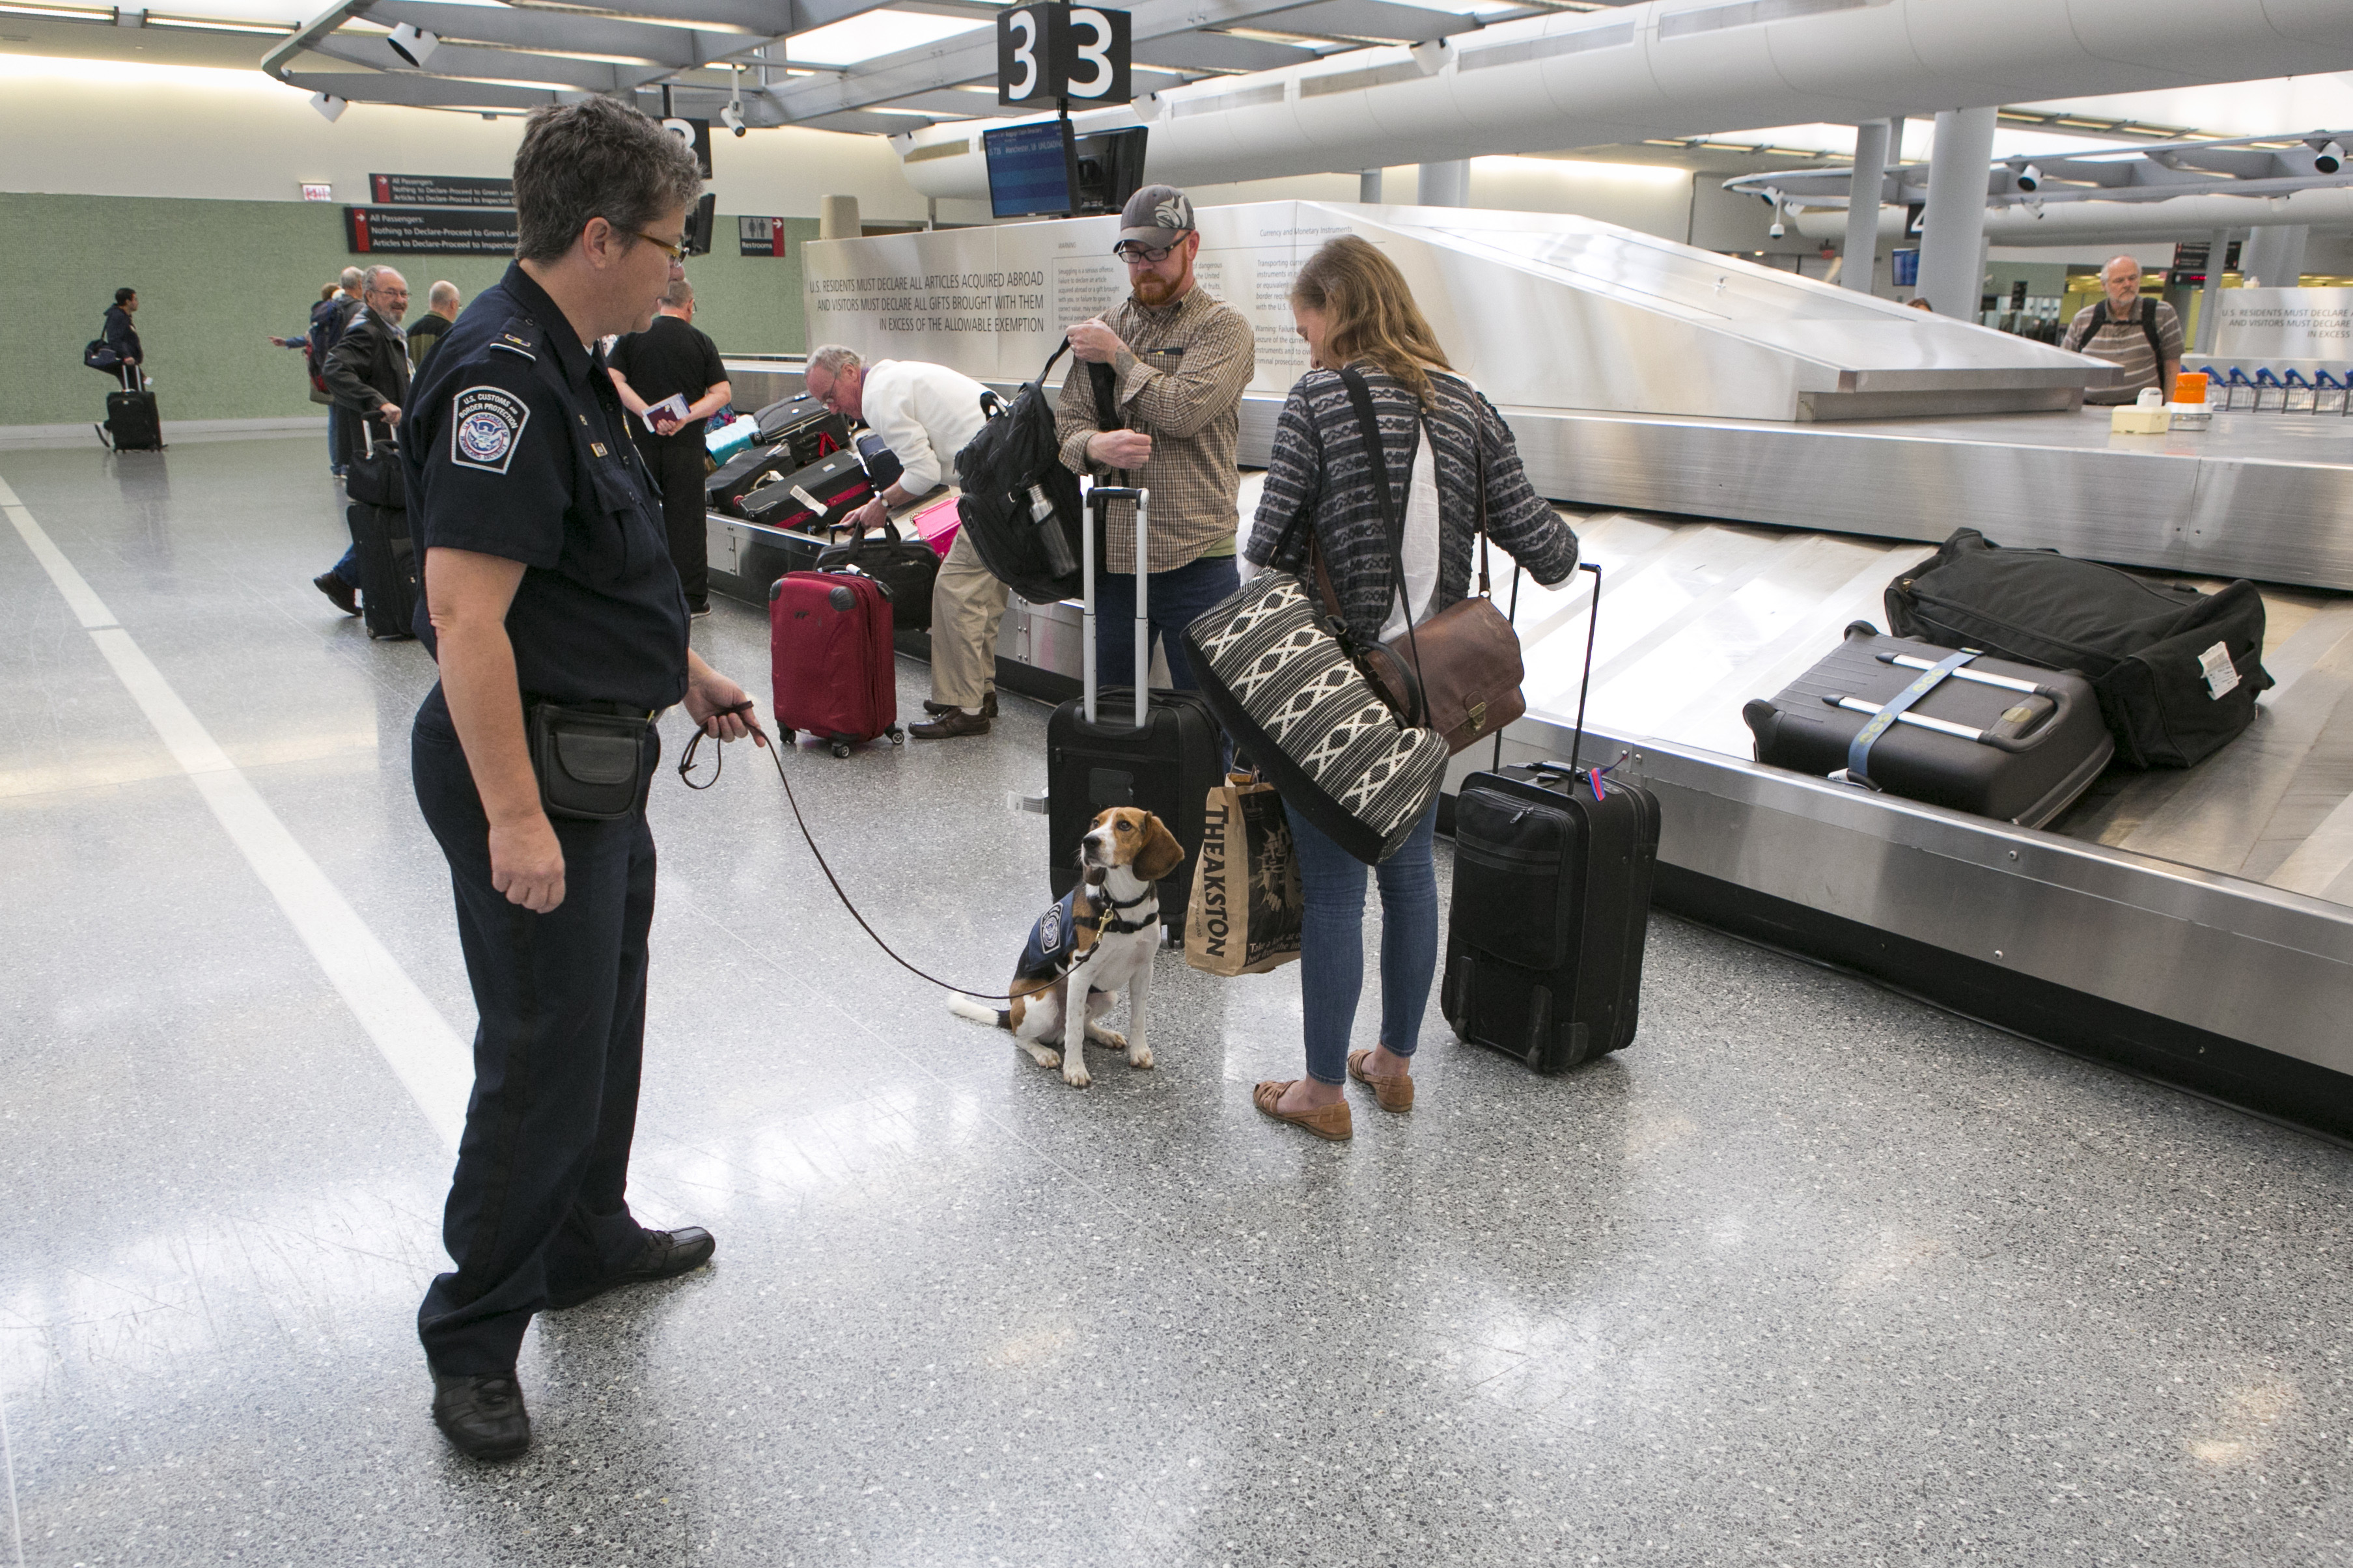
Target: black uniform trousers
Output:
[
  {"x": 537, "y": 1206},
  {"x": 677, "y": 462}
]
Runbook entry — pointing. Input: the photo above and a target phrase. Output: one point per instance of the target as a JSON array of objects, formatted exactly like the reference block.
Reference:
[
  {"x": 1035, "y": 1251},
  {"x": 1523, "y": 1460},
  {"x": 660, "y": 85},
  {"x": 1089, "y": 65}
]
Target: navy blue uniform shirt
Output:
[{"x": 516, "y": 445}]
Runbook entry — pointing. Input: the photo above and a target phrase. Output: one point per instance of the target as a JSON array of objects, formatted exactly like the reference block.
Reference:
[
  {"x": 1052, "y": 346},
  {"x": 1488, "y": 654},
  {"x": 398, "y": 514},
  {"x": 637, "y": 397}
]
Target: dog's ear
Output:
[{"x": 1161, "y": 853}]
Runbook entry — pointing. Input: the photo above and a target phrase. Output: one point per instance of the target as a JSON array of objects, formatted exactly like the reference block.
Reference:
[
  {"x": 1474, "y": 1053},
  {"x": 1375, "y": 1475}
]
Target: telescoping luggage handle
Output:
[
  {"x": 1097, "y": 498},
  {"x": 1896, "y": 710}
]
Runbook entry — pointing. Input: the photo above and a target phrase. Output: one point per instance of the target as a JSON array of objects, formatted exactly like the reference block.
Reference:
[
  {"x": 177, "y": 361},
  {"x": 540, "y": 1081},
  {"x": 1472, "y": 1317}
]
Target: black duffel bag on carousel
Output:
[{"x": 2176, "y": 671}]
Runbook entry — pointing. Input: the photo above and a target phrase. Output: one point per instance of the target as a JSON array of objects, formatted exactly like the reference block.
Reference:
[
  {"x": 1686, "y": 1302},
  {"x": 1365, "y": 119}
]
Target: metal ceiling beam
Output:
[
  {"x": 1220, "y": 52},
  {"x": 456, "y": 61},
  {"x": 412, "y": 91},
  {"x": 971, "y": 56},
  {"x": 651, "y": 43},
  {"x": 1381, "y": 19}
]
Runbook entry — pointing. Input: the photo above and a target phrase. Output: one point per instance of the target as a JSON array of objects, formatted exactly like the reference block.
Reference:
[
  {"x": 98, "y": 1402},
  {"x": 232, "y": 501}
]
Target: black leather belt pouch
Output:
[{"x": 591, "y": 765}]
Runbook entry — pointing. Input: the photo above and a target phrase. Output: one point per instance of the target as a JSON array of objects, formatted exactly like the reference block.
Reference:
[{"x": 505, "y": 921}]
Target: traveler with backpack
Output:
[
  {"x": 2144, "y": 336},
  {"x": 1158, "y": 404},
  {"x": 329, "y": 317}
]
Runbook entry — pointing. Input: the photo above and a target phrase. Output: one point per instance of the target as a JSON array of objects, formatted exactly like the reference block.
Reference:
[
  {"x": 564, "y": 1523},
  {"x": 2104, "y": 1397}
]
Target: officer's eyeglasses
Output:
[
  {"x": 677, "y": 253},
  {"x": 1134, "y": 251}
]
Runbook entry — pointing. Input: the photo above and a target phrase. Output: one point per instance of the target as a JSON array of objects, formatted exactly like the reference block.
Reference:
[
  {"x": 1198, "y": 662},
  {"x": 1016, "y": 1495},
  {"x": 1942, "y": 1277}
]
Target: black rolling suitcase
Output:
[
  {"x": 2014, "y": 741},
  {"x": 804, "y": 426},
  {"x": 724, "y": 488},
  {"x": 1097, "y": 756},
  {"x": 824, "y": 492},
  {"x": 379, "y": 522},
  {"x": 132, "y": 424},
  {"x": 1552, "y": 905}
]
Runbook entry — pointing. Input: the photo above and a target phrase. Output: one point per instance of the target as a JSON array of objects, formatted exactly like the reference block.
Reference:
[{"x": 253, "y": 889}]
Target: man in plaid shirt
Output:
[{"x": 1178, "y": 360}]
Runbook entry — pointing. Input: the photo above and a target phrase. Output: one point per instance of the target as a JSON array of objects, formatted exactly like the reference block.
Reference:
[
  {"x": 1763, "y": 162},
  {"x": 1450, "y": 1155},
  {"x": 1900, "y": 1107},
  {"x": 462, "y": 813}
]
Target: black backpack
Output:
[
  {"x": 2177, "y": 671},
  {"x": 2147, "y": 329},
  {"x": 1020, "y": 505}
]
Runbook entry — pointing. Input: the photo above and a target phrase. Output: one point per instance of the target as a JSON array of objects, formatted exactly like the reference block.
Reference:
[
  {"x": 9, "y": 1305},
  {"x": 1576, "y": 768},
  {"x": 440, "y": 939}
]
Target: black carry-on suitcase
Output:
[
  {"x": 1552, "y": 905},
  {"x": 824, "y": 492},
  {"x": 724, "y": 488},
  {"x": 804, "y": 425},
  {"x": 379, "y": 522},
  {"x": 1098, "y": 756},
  {"x": 2010, "y": 740},
  {"x": 132, "y": 424}
]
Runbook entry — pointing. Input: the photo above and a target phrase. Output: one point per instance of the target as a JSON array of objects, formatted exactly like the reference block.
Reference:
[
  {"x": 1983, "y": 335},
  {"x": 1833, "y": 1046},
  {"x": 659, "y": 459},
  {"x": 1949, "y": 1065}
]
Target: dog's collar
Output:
[{"x": 1151, "y": 895}]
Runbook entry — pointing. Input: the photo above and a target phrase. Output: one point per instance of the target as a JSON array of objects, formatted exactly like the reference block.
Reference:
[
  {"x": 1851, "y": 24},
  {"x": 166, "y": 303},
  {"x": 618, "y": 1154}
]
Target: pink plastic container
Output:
[{"x": 937, "y": 523}]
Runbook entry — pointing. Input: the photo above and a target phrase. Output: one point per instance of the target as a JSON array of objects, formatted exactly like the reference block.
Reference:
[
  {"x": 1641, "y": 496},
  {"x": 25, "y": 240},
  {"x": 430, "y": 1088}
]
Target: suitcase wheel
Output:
[
  {"x": 841, "y": 748},
  {"x": 787, "y": 737},
  {"x": 897, "y": 736}
]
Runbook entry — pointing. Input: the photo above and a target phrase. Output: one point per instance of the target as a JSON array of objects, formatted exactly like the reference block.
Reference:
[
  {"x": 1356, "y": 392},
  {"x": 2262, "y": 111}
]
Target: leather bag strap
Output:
[{"x": 1368, "y": 424}]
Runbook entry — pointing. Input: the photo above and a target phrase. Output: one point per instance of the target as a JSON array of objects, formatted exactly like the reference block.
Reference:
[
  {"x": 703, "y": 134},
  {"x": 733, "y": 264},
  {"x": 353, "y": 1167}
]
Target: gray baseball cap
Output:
[{"x": 1155, "y": 215}]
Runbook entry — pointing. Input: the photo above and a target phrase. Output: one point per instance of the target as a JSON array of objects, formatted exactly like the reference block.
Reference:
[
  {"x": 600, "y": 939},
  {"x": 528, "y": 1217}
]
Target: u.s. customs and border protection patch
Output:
[{"x": 485, "y": 425}]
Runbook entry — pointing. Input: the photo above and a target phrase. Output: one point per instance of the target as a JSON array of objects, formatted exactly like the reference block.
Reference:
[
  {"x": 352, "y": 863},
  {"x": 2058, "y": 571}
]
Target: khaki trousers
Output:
[{"x": 967, "y": 604}]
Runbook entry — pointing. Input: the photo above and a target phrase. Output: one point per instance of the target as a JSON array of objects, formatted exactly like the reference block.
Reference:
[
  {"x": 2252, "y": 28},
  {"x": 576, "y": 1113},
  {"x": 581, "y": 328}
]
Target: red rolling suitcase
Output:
[{"x": 830, "y": 658}]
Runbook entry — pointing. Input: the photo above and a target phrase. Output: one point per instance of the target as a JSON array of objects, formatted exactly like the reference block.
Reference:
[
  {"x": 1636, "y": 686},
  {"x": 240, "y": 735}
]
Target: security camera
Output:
[
  {"x": 413, "y": 44},
  {"x": 732, "y": 117},
  {"x": 2030, "y": 178},
  {"x": 2330, "y": 158},
  {"x": 1778, "y": 228},
  {"x": 329, "y": 106}
]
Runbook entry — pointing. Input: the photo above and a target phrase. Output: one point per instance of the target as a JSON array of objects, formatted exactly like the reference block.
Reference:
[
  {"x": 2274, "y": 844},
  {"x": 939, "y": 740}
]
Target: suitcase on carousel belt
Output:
[
  {"x": 1552, "y": 907},
  {"x": 132, "y": 423},
  {"x": 1167, "y": 764},
  {"x": 805, "y": 425},
  {"x": 825, "y": 492},
  {"x": 830, "y": 661},
  {"x": 1992, "y": 737},
  {"x": 723, "y": 489}
]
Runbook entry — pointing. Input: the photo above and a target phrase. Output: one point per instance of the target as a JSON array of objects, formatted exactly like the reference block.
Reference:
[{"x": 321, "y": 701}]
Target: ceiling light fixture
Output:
[
  {"x": 413, "y": 44},
  {"x": 329, "y": 106},
  {"x": 2329, "y": 158}
]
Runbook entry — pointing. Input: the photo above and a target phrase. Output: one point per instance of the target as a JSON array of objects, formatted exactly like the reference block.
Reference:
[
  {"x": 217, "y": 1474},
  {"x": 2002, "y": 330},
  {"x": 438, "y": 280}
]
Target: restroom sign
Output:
[
  {"x": 1047, "y": 52},
  {"x": 760, "y": 235}
]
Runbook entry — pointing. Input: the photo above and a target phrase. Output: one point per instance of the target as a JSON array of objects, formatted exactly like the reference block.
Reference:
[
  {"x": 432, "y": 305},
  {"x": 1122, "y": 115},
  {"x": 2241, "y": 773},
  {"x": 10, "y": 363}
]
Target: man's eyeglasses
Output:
[
  {"x": 677, "y": 253},
  {"x": 1135, "y": 251}
]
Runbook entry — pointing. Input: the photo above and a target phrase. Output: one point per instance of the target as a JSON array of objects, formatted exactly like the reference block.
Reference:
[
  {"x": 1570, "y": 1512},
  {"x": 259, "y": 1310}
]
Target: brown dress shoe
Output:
[
  {"x": 949, "y": 725},
  {"x": 937, "y": 710}
]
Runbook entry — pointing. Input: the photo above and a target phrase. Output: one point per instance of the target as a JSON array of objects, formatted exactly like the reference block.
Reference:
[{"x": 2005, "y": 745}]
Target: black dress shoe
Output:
[
  {"x": 949, "y": 725},
  {"x": 483, "y": 1418},
  {"x": 941, "y": 710},
  {"x": 346, "y": 598},
  {"x": 667, "y": 1253}
]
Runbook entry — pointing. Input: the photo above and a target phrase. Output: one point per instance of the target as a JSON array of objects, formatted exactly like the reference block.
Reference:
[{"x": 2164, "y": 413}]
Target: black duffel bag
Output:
[
  {"x": 1020, "y": 505},
  {"x": 905, "y": 567},
  {"x": 2176, "y": 671}
]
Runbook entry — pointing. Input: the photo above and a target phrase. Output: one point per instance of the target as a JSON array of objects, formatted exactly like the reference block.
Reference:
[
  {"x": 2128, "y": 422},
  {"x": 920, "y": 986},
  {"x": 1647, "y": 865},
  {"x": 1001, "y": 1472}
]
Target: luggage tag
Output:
[{"x": 2221, "y": 674}]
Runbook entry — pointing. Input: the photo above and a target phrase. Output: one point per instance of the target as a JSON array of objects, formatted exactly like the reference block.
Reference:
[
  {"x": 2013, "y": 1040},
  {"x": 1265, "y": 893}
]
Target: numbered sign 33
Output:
[{"x": 1051, "y": 51}]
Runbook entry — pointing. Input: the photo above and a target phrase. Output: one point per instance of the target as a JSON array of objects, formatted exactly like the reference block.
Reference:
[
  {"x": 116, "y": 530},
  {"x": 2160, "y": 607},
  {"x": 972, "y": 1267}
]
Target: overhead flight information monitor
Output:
[{"x": 1031, "y": 170}]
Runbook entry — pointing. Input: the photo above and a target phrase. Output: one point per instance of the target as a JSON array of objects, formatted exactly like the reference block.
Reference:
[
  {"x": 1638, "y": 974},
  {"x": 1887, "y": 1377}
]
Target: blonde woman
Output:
[{"x": 1438, "y": 434}]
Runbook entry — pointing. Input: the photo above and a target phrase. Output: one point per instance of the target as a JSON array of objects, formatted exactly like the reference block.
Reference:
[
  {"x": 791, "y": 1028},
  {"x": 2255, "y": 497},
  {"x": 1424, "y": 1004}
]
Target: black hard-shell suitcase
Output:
[
  {"x": 1552, "y": 907},
  {"x": 389, "y": 585},
  {"x": 723, "y": 490},
  {"x": 2010, "y": 740},
  {"x": 2177, "y": 671},
  {"x": 132, "y": 423},
  {"x": 806, "y": 425},
  {"x": 837, "y": 485},
  {"x": 1167, "y": 766}
]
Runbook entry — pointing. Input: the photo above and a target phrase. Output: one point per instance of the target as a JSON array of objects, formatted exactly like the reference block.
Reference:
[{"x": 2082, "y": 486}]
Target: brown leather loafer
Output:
[
  {"x": 939, "y": 709},
  {"x": 1327, "y": 1121},
  {"x": 949, "y": 725},
  {"x": 1393, "y": 1092}
]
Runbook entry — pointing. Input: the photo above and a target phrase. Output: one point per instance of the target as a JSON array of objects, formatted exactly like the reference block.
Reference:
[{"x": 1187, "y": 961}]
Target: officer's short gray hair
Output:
[
  {"x": 596, "y": 158},
  {"x": 833, "y": 359}
]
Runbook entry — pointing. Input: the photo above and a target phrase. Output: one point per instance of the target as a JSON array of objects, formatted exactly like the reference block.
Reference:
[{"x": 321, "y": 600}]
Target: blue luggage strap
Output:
[{"x": 1858, "y": 751}]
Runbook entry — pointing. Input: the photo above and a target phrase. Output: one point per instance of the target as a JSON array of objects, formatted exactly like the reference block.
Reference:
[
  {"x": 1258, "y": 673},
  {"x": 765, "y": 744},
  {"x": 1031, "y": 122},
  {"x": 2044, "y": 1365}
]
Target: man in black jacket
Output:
[
  {"x": 118, "y": 332},
  {"x": 367, "y": 371}
]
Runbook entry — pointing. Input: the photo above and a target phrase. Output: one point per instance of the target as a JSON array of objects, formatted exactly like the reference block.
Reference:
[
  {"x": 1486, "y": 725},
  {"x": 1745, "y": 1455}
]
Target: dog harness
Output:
[{"x": 1051, "y": 951}]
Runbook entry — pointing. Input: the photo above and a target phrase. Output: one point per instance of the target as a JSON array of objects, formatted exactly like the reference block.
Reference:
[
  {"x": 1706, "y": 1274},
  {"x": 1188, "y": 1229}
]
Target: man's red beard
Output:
[{"x": 1155, "y": 290}]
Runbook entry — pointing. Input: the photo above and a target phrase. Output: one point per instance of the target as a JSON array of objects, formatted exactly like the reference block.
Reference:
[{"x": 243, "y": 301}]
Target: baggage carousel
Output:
[{"x": 2194, "y": 926}]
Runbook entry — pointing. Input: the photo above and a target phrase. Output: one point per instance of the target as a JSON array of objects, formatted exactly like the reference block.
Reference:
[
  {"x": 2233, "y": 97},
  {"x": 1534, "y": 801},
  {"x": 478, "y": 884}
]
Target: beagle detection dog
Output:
[{"x": 1095, "y": 943}]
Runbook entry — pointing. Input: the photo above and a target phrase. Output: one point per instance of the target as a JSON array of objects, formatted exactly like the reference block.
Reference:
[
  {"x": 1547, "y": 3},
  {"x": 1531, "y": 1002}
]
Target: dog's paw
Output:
[
  {"x": 1110, "y": 1037},
  {"x": 1141, "y": 1057},
  {"x": 1075, "y": 1074},
  {"x": 1044, "y": 1056}
]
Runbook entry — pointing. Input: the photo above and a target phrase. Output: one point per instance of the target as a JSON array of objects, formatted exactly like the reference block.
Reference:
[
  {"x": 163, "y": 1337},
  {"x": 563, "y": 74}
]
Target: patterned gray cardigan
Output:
[{"x": 1320, "y": 465}]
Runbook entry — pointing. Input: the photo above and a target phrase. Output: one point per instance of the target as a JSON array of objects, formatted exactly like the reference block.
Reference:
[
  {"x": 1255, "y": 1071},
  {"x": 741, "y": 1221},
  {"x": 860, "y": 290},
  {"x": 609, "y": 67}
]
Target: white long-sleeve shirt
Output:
[{"x": 925, "y": 413}]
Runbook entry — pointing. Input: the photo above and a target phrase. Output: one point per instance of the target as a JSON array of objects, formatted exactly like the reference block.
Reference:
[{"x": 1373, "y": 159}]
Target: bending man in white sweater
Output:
[{"x": 925, "y": 414}]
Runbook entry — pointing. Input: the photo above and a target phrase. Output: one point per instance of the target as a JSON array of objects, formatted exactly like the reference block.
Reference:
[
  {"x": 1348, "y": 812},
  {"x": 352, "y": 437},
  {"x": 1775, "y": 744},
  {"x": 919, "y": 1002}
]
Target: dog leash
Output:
[{"x": 719, "y": 763}]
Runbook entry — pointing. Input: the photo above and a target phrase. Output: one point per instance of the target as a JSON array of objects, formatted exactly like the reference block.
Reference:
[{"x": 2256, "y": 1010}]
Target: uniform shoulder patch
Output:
[{"x": 485, "y": 425}]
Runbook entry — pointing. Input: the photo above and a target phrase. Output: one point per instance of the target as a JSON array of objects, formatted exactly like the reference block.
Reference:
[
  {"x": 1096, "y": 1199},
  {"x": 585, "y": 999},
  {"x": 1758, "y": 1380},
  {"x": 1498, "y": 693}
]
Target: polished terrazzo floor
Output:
[{"x": 1811, "y": 1274}]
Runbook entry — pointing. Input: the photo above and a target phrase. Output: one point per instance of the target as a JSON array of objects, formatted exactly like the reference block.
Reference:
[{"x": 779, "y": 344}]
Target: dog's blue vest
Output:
[{"x": 1052, "y": 947}]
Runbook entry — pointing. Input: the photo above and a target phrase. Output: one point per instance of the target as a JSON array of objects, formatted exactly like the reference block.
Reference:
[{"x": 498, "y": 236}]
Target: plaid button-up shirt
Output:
[{"x": 1180, "y": 380}]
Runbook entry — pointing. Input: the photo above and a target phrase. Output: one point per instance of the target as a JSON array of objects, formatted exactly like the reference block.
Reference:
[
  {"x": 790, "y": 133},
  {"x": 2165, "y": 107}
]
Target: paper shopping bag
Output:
[{"x": 1245, "y": 915}]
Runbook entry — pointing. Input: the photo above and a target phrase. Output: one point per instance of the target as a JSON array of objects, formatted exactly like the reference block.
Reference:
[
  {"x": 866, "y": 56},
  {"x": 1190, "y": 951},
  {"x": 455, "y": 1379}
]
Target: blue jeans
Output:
[
  {"x": 1332, "y": 941},
  {"x": 334, "y": 445},
  {"x": 1174, "y": 600}
]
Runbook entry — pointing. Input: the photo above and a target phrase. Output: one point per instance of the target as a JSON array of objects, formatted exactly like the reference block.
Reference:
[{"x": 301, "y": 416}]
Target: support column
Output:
[
  {"x": 1368, "y": 187},
  {"x": 2274, "y": 255},
  {"x": 1445, "y": 184},
  {"x": 1862, "y": 192},
  {"x": 837, "y": 218},
  {"x": 2210, "y": 299},
  {"x": 1952, "y": 240}
]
